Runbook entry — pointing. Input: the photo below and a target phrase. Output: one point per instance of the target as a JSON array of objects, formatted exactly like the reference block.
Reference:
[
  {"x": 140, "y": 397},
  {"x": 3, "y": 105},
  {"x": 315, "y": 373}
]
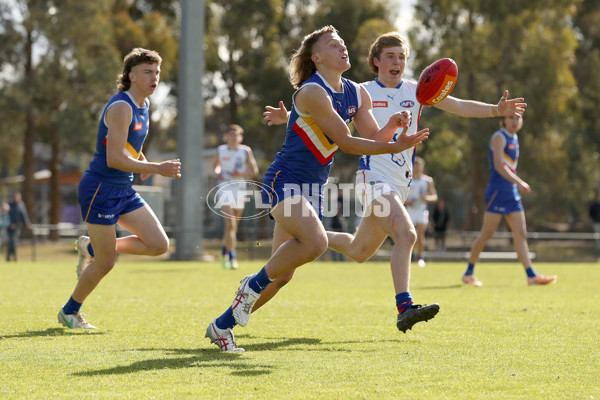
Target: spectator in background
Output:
[
  {"x": 595, "y": 216},
  {"x": 440, "y": 224},
  {"x": 4, "y": 220},
  {"x": 18, "y": 218}
]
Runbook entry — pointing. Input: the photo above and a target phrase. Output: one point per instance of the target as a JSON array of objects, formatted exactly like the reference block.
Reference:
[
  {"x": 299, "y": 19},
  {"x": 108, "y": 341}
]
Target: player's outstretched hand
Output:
[
  {"x": 276, "y": 116},
  {"x": 509, "y": 107},
  {"x": 405, "y": 141},
  {"x": 401, "y": 119},
  {"x": 170, "y": 168}
]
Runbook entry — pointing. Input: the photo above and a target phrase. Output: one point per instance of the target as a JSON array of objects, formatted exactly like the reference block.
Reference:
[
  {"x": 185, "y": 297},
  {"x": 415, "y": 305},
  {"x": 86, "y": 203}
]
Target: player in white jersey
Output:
[
  {"x": 420, "y": 193},
  {"x": 390, "y": 174},
  {"x": 233, "y": 165}
]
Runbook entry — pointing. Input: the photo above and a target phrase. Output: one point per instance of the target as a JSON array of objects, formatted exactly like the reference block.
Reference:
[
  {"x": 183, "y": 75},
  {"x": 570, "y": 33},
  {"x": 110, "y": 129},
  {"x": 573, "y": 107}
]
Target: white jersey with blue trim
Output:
[
  {"x": 232, "y": 160},
  {"x": 387, "y": 101}
]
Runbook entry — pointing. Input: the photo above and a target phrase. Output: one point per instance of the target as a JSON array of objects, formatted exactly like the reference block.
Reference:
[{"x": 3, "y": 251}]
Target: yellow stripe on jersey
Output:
[
  {"x": 134, "y": 153},
  {"x": 512, "y": 164},
  {"x": 316, "y": 136}
]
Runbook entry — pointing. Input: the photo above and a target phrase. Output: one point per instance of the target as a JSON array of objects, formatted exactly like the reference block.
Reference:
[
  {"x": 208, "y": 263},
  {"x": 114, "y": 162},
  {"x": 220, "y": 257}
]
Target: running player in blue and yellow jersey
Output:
[
  {"x": 323, "y": 106},
  {"x": 504, "y": 201},
  {"x": 106, "y": 195}
]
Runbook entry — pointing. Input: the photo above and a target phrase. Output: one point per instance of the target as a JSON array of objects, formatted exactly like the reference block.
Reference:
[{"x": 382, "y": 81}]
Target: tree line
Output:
[{"x": 59, "y": 60}]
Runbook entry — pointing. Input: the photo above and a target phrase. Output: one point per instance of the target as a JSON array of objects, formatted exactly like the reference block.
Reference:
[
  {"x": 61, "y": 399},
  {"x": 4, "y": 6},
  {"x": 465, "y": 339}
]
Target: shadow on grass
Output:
[
  {"x": 457, "y": 286},
  {"x": 207, "y": 358},
  {"x": 196, "y": 358},
  {"x": 160, "y": 270},
  {"x": 52, "y": 332}
]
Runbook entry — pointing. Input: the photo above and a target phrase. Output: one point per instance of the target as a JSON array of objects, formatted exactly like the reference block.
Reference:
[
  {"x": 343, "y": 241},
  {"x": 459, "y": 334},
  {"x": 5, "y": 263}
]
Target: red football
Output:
[{"x": 437, "y": 81}]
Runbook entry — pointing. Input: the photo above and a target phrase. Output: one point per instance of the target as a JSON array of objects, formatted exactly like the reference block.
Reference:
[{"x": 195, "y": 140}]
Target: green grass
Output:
[{"x": 329, "y": 335}]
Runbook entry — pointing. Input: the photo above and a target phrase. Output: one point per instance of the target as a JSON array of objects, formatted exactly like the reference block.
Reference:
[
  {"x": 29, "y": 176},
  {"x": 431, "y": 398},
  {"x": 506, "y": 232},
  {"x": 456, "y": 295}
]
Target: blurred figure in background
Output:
[
  {"x": 595, "y": 216},
  {"x": 233, "y": 165},
  {"x": 420, "y": 193},
  {"x": 18, "y": 218},
  {"x": 4, "y": 221},
  {"x": 440, "y": 218}
]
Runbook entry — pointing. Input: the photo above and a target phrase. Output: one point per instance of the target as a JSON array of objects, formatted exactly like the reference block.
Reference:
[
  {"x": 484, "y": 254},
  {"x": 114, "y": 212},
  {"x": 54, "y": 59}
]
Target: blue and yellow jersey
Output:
[
  {"x": 510, "y": 159},
  {"x": 308, "y": 152},
  {"x": 138, "y": 130}
]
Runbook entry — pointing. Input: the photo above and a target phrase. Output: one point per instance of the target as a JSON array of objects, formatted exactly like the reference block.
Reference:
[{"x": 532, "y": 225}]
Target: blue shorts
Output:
[
  {"x": 499, "y": 202},
  {"x": 278, "y": 185},
  {"x": 102, "y": 203}
]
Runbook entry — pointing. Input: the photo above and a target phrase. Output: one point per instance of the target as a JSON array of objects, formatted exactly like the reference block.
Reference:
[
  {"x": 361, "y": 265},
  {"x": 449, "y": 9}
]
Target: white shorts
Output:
[
  {"x": 418, "y": 216},
  {"x": 232, "y": 194},
  {"x": 370, "y": 186}
]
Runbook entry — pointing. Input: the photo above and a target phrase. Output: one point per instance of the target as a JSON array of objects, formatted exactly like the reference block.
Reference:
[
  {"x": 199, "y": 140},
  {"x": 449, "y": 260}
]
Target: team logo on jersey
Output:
[
  {"x": 512, "y": 146},
  {"x": 380, "y": 104},
  {"x": 138, "y": 126},
  {"x": 351, "y": 110},
  {"x": 407, "y": 104}
]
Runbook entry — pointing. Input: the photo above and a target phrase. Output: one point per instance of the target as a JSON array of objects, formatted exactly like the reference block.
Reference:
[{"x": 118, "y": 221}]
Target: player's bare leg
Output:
[
  {"x": 517, "y": 224},
  {"x": 149, "y": 237},
  {"x": 309, "y": 239},
  {"x": 232, "y": 218},
  {"x": 279, "y": 237},
  {"x": 489, "y": 226},
  {"x": 103, "y": 238},
  {"x": 419, "y": 248}
]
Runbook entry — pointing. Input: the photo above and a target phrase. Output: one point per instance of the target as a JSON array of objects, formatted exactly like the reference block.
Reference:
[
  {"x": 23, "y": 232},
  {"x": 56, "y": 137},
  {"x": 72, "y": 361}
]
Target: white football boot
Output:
[
  {"x": 244, "y": 301},
  {"x": 74, "y": 321},
  {"x": 222, "y": 337}
]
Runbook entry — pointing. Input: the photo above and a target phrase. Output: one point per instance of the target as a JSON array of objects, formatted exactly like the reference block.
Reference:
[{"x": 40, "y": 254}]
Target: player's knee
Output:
[
  {"x": 316, "y": 247},
  {"x": 410, "y": 237},
  {"x": 159, "y": 247},
  {"x": 361, "y": 256},
  {"x": 402, "y": 236},
  {"x": 105, "y": 265}
]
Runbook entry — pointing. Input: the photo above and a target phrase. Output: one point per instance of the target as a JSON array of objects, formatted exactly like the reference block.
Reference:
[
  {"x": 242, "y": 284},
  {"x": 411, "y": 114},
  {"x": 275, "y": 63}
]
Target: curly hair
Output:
[{"x": 135, "y": 57}]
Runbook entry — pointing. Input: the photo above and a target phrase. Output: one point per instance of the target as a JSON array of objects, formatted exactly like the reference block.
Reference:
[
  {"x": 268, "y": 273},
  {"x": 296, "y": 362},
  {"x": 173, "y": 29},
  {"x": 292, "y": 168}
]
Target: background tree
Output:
[
  {"x": 526, "y": 48},
  {"x": 585, "y": 145}
]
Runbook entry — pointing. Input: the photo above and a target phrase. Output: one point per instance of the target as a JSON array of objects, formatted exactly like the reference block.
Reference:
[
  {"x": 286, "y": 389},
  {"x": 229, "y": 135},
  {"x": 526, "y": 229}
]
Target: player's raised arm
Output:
[
  {"x": 474, "y": 109},
  {"x": 118, "y": 118},
  {"x": 314, "y": 101},
  {"x": 276, "y": 116}
]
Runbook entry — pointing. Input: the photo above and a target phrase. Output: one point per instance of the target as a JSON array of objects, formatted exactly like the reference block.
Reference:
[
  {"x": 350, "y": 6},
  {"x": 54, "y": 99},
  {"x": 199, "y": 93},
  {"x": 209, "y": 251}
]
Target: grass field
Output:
[{"x": 329, "y": 335}]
